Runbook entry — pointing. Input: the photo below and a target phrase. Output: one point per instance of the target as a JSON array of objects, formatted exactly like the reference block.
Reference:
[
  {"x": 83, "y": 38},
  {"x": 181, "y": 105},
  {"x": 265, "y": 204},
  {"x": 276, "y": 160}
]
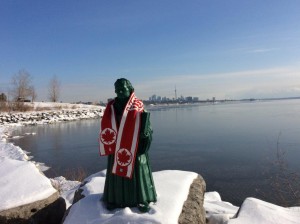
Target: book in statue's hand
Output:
[{"x": 145, "y": 122}]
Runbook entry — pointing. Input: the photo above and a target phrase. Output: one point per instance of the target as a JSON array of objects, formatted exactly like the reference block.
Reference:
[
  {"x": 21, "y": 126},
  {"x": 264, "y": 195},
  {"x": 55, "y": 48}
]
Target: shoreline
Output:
[{"x": 68, "y": 112}]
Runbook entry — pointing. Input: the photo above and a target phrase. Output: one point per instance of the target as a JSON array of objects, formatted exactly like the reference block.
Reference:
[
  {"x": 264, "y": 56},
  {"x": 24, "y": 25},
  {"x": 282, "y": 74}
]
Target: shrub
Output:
[
  {"x": 283, "y": 180},
  {"x": 78, "y": 174}
]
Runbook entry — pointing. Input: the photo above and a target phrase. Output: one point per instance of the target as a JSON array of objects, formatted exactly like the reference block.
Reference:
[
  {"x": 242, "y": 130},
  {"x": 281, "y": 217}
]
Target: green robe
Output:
[{"x": 124, "y": 192}]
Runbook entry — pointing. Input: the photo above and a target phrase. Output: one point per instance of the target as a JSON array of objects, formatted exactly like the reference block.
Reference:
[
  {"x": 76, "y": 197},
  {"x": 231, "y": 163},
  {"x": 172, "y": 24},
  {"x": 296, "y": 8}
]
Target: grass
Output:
[
  {"x": 78, "y": 174},
  {"x": 15, "y": 107},
  {"x": 283, "y": 181}
]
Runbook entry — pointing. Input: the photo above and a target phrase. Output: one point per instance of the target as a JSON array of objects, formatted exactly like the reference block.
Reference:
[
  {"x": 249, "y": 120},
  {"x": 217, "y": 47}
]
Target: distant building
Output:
[
  {"x": 23, "y": 99},
  {"x": 153, "y": 98},
  {"x": 159, "y": 99},
  {"x": 189, "y": 99}
]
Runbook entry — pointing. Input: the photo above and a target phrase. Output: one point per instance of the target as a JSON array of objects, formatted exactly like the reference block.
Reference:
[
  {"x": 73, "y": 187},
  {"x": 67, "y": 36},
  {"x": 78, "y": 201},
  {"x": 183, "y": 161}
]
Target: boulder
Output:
[
  {"x": 47, "y": 211},
  {"x": 254, "y": 210},
  {"x": 193, "y": 210},
  {"x": 27, "y": 196},
  {"x": 180, "y": 200},
  {"x": 218, "y": 211}
]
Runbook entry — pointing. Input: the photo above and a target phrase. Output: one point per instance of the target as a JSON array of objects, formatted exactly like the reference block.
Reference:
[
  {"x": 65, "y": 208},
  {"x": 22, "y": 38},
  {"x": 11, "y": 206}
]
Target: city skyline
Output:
[{"x": 228, "y": 50}]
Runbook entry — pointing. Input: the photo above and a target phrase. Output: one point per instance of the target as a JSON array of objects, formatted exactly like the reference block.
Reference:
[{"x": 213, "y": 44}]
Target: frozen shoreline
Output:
[{"x": 67, "y": 112}]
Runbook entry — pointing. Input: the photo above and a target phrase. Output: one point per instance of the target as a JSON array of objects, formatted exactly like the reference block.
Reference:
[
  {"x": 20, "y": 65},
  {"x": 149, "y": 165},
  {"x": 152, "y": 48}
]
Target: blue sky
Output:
[{"x": 218, "y": 48}]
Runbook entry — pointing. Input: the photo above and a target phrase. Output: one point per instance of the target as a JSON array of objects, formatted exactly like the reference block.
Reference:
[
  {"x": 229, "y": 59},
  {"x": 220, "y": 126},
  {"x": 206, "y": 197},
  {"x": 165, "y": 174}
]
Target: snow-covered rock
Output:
[
  {"x": 218, "y": 211},
  {"x": 70, "y": 112},
  {"x": 257, "y": 211},
  {"x": 31, "y": 184},
  {"x": 172, "y": 188},
  {"x": 25, "y": 192},
  {"x": 66, "y": 188}
]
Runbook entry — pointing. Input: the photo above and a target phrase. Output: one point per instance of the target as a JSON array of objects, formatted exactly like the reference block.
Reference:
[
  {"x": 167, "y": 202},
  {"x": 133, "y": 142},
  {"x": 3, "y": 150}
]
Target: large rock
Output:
[
  {"x": 193, "y": 210},
  {"x": 47, "y": 211},
  {"x": 180, "y": 200},
  {"x": 257, "y": 211},
  {"x": 218, "y": 211},
  {"x": 26, "y": 195}
]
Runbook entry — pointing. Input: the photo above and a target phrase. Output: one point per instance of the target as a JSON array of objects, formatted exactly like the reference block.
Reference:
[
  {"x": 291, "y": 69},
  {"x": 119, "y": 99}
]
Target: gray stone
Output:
[
  {"x": 193, "y": 210},
  {"x": 78, "y": 193},
  {"x": 49, "y": 117},
  {"x": 77, "y": 197},
  {"x": 47, "y": 211}
]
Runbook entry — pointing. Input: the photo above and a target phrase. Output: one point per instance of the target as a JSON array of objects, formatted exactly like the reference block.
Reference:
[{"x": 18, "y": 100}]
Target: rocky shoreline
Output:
[{"x": 48, "y": 117}]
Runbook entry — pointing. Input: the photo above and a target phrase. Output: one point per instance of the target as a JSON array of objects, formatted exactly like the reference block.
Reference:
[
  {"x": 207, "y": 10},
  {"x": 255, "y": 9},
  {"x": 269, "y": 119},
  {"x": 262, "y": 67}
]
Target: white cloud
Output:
[{"x": 261, "y": 50}]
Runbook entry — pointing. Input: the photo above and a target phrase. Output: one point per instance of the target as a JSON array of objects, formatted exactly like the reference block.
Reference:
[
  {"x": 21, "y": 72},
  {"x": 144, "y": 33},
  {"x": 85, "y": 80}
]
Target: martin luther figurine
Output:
[{"x": 125, "y": 138}]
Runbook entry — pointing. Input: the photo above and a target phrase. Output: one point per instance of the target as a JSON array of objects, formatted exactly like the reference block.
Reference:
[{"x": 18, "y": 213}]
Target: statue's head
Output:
[{"x": 123, "y": 88}]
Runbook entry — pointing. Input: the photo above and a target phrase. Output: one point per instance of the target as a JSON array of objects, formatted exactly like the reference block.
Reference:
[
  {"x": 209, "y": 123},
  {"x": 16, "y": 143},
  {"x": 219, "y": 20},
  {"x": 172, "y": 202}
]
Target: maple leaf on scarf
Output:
[
  {"x": 108, "y": 136},
  {"x": 124, "y": 157}
]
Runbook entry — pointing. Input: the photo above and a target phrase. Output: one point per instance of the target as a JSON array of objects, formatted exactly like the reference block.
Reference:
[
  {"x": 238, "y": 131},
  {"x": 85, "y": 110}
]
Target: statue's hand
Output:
[
  {"x": 144, "y": 135},
  {"x": 147, "y": 132}
]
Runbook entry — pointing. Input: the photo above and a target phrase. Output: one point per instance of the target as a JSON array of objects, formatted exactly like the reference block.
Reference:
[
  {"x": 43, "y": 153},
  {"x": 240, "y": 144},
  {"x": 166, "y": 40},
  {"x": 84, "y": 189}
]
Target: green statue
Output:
[{"x": 125, "y": 138}]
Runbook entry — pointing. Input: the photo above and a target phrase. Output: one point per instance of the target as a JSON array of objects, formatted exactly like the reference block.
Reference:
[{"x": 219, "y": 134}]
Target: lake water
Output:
[{"x": 233, "y": 146}]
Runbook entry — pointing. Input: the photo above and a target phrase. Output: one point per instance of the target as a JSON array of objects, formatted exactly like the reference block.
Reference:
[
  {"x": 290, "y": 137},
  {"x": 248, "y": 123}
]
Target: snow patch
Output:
[
  {"x": 172, "y": 188},
  {"x": 66, "y": 188},
  {"x": 257, "y": 211},
  {"x": 22, "y": 183},
  {"x": 218, "y": 211}
]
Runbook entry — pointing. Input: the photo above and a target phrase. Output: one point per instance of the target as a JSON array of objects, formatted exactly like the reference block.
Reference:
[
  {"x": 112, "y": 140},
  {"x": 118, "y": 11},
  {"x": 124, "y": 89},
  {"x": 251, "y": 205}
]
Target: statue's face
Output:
[{"x": 122, "y": 90}]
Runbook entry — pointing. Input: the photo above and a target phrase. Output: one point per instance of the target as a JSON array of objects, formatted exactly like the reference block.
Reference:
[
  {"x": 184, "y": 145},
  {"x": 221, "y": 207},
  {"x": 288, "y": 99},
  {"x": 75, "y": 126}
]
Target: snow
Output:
[
  {"x": 66, "y": 188},
  {"x": 252, "y": 211},
  {"x": 172, "y": 188},
  {"x": 17, "y": 153},
  {"x": 47, "y": 113},
  {"x": 257, "y": 211},
  {"x": 8, "y": 150},
  {"x": 218, "y": 211},
  {"x": 52, "y": 105},
  {"x": 22, "y": 182}
]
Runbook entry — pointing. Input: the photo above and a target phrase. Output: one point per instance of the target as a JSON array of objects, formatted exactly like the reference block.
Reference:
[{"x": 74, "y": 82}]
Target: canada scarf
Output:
[{"x": 121, "y": 141}]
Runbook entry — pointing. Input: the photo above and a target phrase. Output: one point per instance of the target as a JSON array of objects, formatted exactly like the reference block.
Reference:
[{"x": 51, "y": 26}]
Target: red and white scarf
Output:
[{"x": 122, "y": 141}]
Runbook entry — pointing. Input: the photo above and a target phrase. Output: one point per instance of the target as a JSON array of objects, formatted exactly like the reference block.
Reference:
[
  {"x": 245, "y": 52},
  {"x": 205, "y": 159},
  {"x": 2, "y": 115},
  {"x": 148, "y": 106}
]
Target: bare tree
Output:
[
  {"x": 33, "y": 94},
  {"x": 21, "y": 85},
  {"x": 54, "y": 89}
]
